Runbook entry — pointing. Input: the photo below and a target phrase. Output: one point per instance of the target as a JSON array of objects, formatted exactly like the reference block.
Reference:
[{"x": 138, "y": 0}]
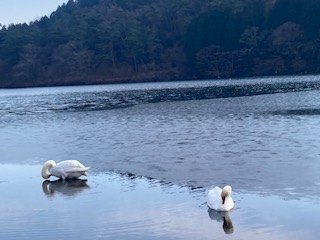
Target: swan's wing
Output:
[
  {"x": 215, "y": 192},
  {"x": 71, "y": 166},
  {"x": 214, "y": 200},
  {"x": 70, "y": 170}
]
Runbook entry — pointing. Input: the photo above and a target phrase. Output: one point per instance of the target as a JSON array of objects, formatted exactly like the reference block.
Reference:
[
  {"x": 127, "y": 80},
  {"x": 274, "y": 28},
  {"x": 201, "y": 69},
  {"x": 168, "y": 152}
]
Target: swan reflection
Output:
[
  {"x": 68, "y": 187},
  {"x": 222, "y": 217}
]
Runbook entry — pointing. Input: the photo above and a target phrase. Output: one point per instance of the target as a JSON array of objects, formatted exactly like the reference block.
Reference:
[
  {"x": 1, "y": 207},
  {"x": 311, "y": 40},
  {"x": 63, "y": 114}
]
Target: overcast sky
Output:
[{"x": 20, "y": 11}]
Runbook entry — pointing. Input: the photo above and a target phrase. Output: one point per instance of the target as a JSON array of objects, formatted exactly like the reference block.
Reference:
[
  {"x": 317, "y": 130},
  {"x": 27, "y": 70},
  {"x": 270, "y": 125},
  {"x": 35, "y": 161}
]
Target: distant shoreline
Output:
[{"x": 129, "y": 81}]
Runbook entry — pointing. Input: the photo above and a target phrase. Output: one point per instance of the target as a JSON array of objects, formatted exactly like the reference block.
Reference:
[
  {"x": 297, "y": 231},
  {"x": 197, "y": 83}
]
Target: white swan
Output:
[
  {"x": 220, "y": 199},
  {"x": 65, "y": 169}
]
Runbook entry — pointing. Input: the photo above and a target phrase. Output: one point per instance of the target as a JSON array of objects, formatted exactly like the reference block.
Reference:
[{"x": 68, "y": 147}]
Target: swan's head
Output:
[
  {"x": 44, "y": 172},
  {"x": 226, "y": 191}
]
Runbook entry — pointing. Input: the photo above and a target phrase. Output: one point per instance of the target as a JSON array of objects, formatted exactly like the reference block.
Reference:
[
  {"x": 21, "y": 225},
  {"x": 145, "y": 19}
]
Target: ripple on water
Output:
[{"x": 270, "y": 159}]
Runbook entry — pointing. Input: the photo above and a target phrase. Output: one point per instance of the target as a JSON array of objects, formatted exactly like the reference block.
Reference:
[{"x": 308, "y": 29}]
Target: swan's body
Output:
[
  {"x": 67, "y": 169},
  {"x": 220, "y": 199}
]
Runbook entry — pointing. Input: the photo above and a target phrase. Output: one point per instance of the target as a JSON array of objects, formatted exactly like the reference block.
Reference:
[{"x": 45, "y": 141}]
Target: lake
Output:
[{"x": 154, "y": 150}]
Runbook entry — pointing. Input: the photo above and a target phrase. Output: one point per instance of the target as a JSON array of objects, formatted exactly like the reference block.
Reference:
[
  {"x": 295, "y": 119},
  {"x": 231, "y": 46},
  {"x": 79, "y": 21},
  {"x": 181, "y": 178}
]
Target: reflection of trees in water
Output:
[
  {"x": 223, "y": 217},
  {"x": 68, "y": 187}
]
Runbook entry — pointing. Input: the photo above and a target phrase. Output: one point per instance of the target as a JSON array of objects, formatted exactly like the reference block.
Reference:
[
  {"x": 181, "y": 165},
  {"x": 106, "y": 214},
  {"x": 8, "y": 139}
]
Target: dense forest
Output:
[{"x": 108, "y": 41}]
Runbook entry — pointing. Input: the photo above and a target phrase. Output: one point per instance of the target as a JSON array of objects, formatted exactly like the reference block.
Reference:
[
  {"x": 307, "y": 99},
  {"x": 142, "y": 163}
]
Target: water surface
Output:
[
  {"x": 151, "y": 145},
  {"x": 115, "y": 206}
]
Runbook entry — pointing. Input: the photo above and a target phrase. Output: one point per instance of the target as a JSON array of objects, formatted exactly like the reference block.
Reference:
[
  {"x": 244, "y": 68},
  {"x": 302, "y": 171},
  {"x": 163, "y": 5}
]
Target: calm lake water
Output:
[{"x": 154, "y": 150}]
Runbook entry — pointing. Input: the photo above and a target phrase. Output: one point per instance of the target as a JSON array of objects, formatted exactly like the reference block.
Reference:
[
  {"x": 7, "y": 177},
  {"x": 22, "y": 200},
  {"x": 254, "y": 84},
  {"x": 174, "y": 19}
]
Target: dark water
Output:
[{"x": 154, "y": 150}]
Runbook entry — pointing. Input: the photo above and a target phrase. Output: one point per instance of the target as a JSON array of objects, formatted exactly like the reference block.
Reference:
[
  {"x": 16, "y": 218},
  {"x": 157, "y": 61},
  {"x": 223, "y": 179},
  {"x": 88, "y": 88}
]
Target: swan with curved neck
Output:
[
  {"x": 67, "y": 169},
  {"x": 220, "y": 199}
]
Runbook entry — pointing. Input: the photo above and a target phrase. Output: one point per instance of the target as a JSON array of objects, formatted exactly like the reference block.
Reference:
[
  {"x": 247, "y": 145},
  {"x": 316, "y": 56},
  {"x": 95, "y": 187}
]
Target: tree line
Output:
[{"x": 109, "y": 41}]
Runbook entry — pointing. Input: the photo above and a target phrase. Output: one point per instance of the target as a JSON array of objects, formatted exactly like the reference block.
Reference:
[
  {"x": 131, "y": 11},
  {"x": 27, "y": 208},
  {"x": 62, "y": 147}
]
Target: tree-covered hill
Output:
[{"x": 107, "y": 41}]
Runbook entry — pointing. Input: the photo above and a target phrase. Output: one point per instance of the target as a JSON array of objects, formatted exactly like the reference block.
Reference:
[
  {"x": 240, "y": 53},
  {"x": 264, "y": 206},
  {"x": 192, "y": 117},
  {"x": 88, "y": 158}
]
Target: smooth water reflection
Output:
[
  {"x": 224, "y": 218},
  {"x": 68, "y": 187},
  {"x": 121, "y": 207}
]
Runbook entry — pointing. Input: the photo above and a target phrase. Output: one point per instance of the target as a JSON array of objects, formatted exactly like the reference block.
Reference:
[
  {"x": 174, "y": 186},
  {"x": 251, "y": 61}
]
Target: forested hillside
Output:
[{"x": 107, "y": 41}]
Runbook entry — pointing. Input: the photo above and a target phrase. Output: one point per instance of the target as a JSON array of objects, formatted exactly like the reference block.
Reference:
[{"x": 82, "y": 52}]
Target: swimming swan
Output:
[
  {"x": 220, "y": 199},
  {"x": 66, "y": 169}
]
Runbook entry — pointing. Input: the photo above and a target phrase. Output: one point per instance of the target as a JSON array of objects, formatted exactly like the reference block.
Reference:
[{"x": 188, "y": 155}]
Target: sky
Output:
[{"x": 25, "y": 11}]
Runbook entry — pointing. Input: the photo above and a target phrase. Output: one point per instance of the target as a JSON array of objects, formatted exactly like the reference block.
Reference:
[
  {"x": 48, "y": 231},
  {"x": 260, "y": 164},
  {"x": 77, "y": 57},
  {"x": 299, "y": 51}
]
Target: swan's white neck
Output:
[
  {"x": 44, "y": 172},
  {"x": 225, "y": 194}
]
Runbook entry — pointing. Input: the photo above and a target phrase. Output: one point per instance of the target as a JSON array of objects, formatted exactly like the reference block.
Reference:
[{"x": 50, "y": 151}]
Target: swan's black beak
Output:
[{"x": 223, "y": 199}]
